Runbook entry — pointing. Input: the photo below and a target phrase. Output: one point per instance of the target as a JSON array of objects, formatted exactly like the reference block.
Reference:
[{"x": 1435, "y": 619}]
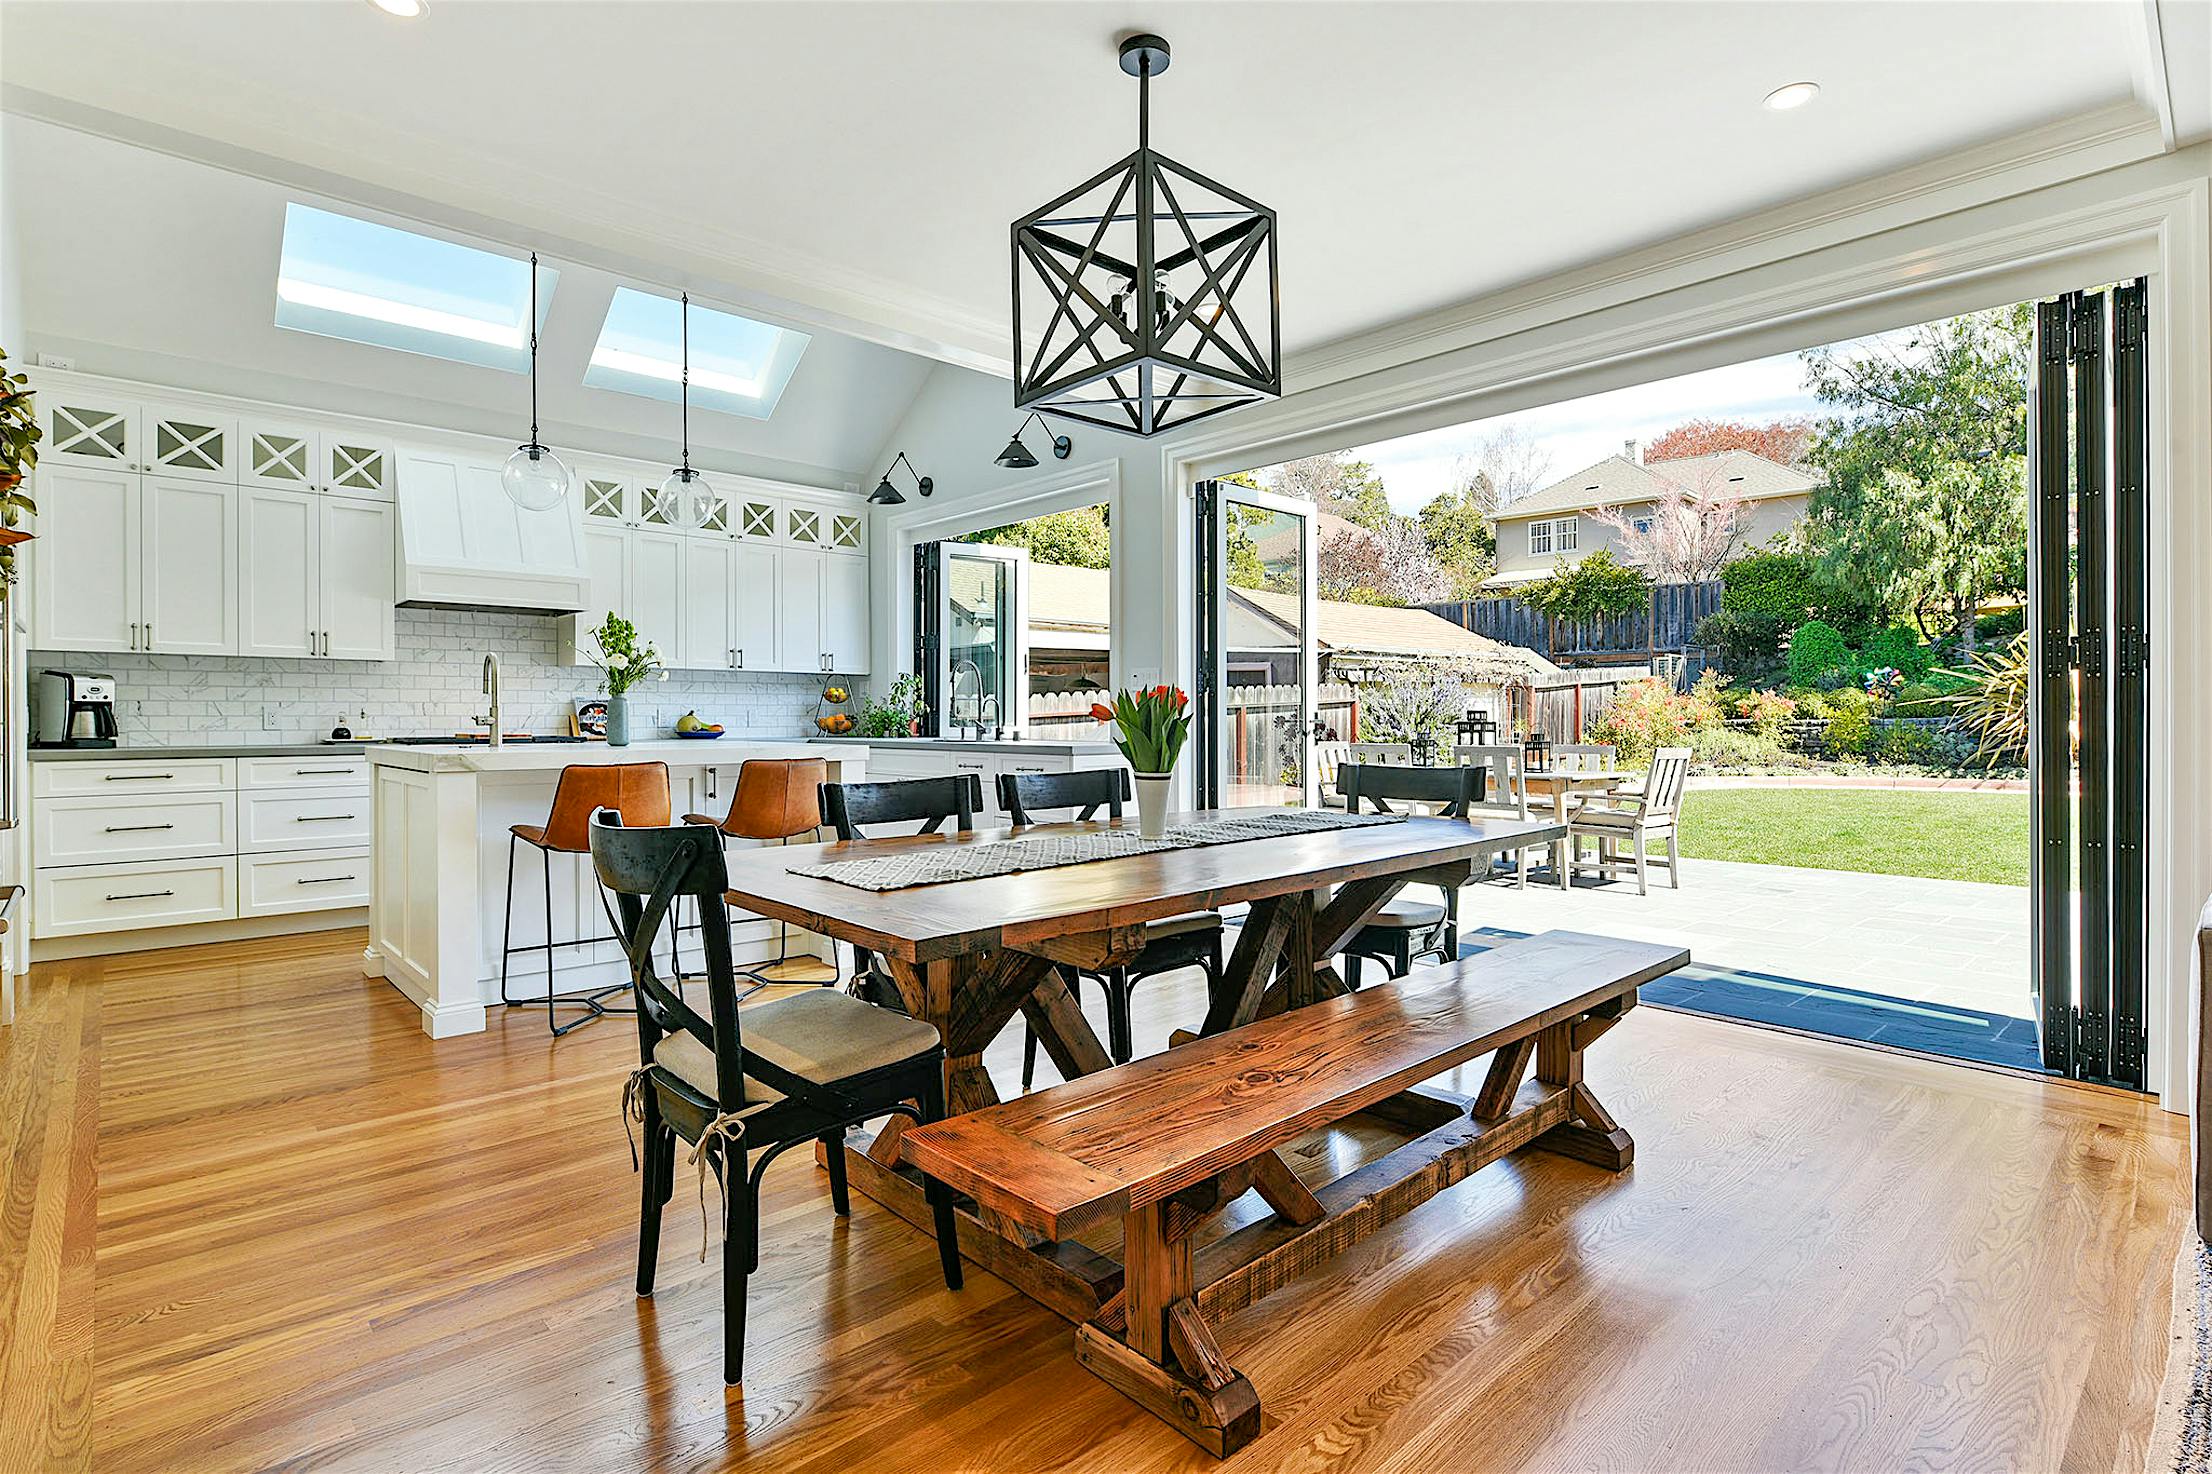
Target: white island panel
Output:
[{"x": 439, "y": 912}]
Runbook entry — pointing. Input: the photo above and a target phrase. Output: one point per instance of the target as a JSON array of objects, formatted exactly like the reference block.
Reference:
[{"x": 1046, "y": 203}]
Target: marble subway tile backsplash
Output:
[{"x": 435, "y": 686}]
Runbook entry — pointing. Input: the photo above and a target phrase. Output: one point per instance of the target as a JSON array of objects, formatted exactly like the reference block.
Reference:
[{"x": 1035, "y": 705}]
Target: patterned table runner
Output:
[{"x": 939, "y": 864}]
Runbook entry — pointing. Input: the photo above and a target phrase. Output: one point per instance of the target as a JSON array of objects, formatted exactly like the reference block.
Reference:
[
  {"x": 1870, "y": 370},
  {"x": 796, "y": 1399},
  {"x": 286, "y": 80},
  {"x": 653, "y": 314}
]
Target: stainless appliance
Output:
[{"x": 75, "y": 709}]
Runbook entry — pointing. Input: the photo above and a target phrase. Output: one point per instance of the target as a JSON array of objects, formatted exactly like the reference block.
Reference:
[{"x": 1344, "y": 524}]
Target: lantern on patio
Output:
[
  {"x": 1424, "y": 749},
  {"x": 1538, "y": 752},
  {"x": 1476, "y": 729}
]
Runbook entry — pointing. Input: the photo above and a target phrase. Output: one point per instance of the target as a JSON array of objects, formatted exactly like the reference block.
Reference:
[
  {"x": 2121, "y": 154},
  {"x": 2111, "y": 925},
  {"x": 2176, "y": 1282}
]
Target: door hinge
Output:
[
  {"x": 2081, "y": 337},
  {"x": 2127, "y": 1051},
  {"x": 2089, "y": 1037}
]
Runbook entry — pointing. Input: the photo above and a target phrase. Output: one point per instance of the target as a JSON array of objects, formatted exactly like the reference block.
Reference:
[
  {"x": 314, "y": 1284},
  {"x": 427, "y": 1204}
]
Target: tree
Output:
[
  {"x": 1078, "y": 538},
  {"x": 1925, "y": 509},
  {"x": 1598, "y": 586},
  {"x": 1390, "y": 566},
  {"x": 1456, "y": 528},
  {"x": 1782, "y": 441},
  {"x": 1348, "y": 488},
  {"x": 1509, "y": 461},
  {"x": 1686, "y": 536}
]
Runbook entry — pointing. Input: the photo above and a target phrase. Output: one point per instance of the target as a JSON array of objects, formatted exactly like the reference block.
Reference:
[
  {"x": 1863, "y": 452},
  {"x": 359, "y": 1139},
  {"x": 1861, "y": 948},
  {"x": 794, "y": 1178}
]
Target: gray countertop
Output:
[
  {"x": 957, "y": 744},
  {"x": 218, "y": 749}
]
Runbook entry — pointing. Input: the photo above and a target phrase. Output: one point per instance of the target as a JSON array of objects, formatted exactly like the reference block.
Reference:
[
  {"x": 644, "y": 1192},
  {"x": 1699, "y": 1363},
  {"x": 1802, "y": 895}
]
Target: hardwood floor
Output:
[{"x": 254, "y": 1218}]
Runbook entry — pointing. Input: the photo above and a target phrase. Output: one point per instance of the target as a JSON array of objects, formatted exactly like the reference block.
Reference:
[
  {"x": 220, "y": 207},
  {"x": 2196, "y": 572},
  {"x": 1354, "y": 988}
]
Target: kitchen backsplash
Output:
[{"x": 435, "y": 686}]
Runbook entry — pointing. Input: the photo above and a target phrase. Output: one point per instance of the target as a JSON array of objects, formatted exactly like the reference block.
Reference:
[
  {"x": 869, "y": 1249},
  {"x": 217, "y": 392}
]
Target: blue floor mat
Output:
[{"x": 1824, "y": 1008}]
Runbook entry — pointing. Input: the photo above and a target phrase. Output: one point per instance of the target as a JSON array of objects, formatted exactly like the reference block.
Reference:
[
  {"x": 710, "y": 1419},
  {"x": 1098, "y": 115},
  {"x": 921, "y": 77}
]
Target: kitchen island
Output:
[{"x": 438, "y": 904}]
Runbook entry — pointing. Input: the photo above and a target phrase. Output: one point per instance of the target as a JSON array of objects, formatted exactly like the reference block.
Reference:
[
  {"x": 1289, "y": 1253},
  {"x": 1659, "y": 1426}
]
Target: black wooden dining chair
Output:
[
  {"x": 929, "y": 801},
  {"x": 744, "y": 1088},
  {"x": 1189, "y": 940},
  {"x": 1407, "y": 929}
]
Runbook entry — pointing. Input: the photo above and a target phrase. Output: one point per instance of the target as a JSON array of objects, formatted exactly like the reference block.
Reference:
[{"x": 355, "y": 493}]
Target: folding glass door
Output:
[
  {"x": 971, "y": 640},
  {"x": 1257, "y": 659},
  {"x": 2086, "y": 693}
]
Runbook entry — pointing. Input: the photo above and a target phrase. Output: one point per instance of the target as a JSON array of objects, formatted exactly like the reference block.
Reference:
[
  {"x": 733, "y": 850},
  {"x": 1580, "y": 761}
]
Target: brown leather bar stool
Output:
[
  {"x": 777, "y": 799},
  {"x": 637, "y": 791}
]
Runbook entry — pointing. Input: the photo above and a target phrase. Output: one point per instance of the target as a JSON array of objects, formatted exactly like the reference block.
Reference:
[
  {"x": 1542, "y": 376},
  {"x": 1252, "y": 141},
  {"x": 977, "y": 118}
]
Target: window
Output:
[
  {"x": 355, "y": 279},
  {"x": 1539, "y": 537},
  {"x": 1563, "y": 534},
  {"x": 738, "y": 366},
  {"x": 1641, "y": 524}
]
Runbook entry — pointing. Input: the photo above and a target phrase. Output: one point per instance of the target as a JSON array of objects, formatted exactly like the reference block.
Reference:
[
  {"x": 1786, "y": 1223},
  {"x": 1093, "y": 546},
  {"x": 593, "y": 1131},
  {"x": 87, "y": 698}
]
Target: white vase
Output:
[{"x": 1152, "y": 803}]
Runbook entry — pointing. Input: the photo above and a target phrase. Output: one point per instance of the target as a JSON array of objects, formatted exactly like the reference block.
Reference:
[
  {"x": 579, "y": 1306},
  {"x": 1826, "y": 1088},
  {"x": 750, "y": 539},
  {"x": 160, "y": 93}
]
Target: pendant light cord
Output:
[
  {"x": 533, "y": 348},
  {"x": 1144, "y": 102},
  {"x": 685, "y": 332}
]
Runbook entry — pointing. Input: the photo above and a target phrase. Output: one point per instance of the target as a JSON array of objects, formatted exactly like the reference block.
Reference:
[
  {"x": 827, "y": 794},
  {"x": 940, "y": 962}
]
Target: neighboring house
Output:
[{"x": 1559, "y": 524}]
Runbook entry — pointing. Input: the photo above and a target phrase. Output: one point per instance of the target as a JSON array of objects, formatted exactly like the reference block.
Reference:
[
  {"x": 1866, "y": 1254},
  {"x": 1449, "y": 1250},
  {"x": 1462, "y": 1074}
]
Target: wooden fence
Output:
[{"x": 1667, "y": 627}]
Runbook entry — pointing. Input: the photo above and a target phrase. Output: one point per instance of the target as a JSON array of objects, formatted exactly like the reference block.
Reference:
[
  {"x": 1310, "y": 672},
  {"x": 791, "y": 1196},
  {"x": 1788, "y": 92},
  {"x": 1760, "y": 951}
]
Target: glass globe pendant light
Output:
[
  {"x": 684, "y": 498},
  {"x": 534, "y": 478}
]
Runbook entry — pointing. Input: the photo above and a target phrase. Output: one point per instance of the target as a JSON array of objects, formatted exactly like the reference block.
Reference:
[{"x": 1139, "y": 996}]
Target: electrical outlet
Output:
[{"x": 56, "y": 361}]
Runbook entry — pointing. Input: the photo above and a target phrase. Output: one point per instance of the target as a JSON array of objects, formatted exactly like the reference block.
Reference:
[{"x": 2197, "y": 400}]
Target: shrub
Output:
[
  {"x": 1706, "y": 705},
  {"x": 1726, "y": 748},
  {"x": 1812, "y": 703},
  {"x": 1993, "y": 628},
  {"x": 1849, "y": 731},
  {"x": 1899, "y": 649},
  {"x": 1598, "y": 586},
  {"x": 1643, "y": 717},
  {"x": 1767, "y": 711},
  {"x": 1749, "y": 644},
  {"x": 1817, "y": 654},
  {"x": 1902, "y": 743}
]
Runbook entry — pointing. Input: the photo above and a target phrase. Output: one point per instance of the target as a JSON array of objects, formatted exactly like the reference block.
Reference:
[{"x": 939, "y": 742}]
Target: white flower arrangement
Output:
[{"x": 622, "y": 661}]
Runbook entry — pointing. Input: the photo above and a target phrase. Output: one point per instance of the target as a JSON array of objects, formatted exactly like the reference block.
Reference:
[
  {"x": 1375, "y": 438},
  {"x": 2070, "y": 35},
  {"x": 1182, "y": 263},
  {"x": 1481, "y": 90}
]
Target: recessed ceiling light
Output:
[
  {"x": 1781, "y": 99},
  {"x": 404, "y": 9}
]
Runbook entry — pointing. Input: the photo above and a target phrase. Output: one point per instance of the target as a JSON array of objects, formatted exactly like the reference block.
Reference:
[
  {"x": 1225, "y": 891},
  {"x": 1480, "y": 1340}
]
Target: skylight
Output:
[
  {"x": 370, "y": 283},
  {"x": 738, "y": 366}
]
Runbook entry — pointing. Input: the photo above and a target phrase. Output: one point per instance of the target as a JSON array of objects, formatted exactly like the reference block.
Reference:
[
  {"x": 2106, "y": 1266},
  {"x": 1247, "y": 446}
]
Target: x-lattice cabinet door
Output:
[
  {"x": 357, "y": 465},
  {"x": 753, "y": 518},
  {"x": 609, "y": 501},
  {"x": 89, "y": 430},
  {"x": 190, "y": 444},
  {"x": 278, "y": 454}
]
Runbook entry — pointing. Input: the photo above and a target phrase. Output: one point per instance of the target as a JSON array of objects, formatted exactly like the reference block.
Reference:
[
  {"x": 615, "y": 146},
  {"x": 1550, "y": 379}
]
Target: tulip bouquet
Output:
[{"x": 1153, "y": 724}]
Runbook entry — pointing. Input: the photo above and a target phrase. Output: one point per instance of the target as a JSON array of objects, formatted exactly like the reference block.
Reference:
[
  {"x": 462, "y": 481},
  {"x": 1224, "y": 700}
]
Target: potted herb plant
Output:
[
  {"x": 624, "y": 661},
  {"x": 1151, "y": 728}
]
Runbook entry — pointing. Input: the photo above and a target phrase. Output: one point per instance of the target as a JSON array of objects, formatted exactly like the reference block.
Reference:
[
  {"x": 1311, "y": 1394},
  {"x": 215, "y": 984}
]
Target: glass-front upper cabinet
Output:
[
  {"x": 608, "y": 500},
  {"x": 848, "y": 532},
  {"x": 90, "y": 430},
  {"x": 357, "y": 465},
  {"x": 190, "y": 443}
]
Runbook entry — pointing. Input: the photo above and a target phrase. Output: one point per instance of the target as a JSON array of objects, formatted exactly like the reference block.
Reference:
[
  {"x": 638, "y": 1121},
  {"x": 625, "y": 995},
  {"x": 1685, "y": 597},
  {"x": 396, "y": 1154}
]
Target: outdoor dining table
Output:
[
  {"x": 1567, "y": 788},
  {"x": 967, "y": 955}
]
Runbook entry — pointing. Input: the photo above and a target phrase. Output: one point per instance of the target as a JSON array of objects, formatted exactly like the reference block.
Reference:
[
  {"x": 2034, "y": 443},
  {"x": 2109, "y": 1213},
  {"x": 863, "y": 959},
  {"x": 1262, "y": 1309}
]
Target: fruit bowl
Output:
[{"x": 704, "y": 734}]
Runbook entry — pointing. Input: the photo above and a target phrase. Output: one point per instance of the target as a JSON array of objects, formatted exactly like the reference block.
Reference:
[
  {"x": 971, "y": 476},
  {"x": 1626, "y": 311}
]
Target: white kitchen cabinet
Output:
[
  {"x": 356, "y": 579},
  {"x": 279, "y": 453},
  {"x": 190, "y": 444},
  {"x": 756, "y": 518},
  {"x": 84, "y": 576},
  {"x": 283, "y": 883},
  {"x": 91, "y": 429},
  {"x": 709, "y": 641},
  {"x": 799, "y": 609},
  {"x": 188, "y": 567},
  {"x": 126, "y": 776},
  {"x": 358, "y": 465},
  {"x": 109, "y": 828},
  {"x": 848, "y": 532},
  {"x": 76, "y": 901},
  {"x": 655, "y": 578},
  {"x": 609, "y": 500},
  {"x": 845, "y": 614},
  {"x": 279, "y": 583},
  {"x": 281, "y": 819},
  {"x": 754, "y": 600}
]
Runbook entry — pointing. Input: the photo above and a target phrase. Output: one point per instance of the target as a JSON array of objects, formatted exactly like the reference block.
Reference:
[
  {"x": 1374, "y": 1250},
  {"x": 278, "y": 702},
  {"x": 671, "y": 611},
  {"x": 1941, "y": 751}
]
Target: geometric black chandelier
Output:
[{"x": 1150, "y": 290}]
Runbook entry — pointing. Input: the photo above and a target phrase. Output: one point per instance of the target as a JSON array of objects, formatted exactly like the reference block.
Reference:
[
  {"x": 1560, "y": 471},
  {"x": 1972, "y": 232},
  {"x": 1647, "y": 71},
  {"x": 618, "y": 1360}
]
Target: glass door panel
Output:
[
  {"x": 1260, "y": 700},
  {"x": 983, "y": 644}
]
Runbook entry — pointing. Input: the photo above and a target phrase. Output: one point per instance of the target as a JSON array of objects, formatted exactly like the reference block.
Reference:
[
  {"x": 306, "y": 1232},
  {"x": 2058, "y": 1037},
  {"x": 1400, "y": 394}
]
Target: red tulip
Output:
[
  {"x": 1102, "y": 713},
  {"x": 1160, "y": 691}
]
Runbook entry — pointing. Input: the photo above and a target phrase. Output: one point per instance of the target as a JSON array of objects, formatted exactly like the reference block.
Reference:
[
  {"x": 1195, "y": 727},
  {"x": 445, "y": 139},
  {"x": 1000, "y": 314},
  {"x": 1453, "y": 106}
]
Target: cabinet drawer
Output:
[
  {"x": 132, "y": 776},
  {"x": 109, "y": 829},
  {"x": 321, "y": 880},
  {"x": 101, "y": 898},
  {"x": 335, "y": 771},
  {"x": 317, "y": 819}
]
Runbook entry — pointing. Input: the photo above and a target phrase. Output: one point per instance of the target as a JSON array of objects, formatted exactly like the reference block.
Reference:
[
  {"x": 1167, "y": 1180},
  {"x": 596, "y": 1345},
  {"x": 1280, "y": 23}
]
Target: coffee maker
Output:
[{"x": 75, "y": 709}]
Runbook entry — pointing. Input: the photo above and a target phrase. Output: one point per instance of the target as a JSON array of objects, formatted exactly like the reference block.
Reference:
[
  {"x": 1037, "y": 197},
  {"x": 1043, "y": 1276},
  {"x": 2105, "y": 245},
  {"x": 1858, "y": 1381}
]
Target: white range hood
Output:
[{"x": 465, "y": 545}]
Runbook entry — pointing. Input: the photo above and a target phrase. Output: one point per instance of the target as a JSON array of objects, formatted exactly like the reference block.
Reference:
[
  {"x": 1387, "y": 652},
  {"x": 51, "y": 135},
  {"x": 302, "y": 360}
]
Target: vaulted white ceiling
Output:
[{"x": 861, "y": 161}]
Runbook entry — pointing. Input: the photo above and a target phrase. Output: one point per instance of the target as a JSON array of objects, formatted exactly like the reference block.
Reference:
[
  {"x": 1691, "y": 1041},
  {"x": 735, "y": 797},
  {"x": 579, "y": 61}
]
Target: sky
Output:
[{"x": 1581, "y": 432}]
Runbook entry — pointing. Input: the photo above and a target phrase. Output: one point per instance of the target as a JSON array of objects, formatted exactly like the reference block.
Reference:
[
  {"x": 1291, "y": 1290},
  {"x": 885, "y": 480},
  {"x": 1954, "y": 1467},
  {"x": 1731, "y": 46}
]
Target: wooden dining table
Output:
[
  {"x": 1567, "y": 788},
  {"x": 967, "y": 955}
]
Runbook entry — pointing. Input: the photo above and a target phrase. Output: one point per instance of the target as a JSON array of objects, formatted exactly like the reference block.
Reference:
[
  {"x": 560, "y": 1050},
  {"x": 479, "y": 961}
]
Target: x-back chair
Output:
[{"x": 745, "y": 1089}]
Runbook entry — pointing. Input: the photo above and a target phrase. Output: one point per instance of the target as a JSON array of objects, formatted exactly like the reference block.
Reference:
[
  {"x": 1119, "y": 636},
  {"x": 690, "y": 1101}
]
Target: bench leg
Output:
[
  {"x": 1590, "y": 1134},
  {"x": 1167, "y": 1361}
]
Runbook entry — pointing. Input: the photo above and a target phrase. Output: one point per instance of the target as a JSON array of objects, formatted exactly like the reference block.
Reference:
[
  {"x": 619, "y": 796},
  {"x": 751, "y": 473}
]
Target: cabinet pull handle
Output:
[
  {"x": 149, "y": 627},
  {"x": 134, "y": 828},
  {"x": 322, "y": 879},
  {"x": 134, "y": 777},
  {"x": 321, "y": 818},
  {"x": 138, "y": 895},
  {"x": 305, "y": 772},
  {"x": 740, "y": 652}
]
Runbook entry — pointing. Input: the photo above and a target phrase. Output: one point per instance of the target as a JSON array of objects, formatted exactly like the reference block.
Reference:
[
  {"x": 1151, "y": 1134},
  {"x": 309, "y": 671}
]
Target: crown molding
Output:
[
  {"x": 2052, "y": 154},
  {"x": 661, "y": 247}
]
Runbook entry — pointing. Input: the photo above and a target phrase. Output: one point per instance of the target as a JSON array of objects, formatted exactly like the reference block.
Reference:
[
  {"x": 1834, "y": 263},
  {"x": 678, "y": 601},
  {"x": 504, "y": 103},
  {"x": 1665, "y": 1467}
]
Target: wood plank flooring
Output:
[{"x": 254, "y": 1218}]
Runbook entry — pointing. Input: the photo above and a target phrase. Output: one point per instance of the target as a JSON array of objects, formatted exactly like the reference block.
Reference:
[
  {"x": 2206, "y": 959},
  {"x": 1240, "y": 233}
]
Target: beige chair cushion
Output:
[
  {"x": 1405, "y": 914},
  {"x": 682, "y": 1055},
  {"x": 1176, "y": 926},
  {"x": 823, "y": 1035},
  {"x": 1624, "y": 820}
]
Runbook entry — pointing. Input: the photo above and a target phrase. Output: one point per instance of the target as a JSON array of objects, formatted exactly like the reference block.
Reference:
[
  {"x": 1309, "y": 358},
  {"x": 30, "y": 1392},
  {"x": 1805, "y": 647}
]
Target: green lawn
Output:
[{"x": 1885, "y": 831}]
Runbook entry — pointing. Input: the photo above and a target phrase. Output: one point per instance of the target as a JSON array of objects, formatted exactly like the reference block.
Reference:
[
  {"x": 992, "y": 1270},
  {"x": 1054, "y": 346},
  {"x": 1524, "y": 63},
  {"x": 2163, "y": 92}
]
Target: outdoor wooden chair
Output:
[
  {"x": 1407, "y": 929},
  {"x": 1585, "y": 757},
  {"x": 1502, "y": 789},
  {"x": 1192, "y": 939},
  {"x": 746, "y": 1088},
  {"x": 1641, "y": 819}
]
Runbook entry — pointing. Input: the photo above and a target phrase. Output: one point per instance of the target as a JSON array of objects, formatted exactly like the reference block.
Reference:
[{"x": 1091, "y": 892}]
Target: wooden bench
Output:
[{"x": 1164, "y": 1143}]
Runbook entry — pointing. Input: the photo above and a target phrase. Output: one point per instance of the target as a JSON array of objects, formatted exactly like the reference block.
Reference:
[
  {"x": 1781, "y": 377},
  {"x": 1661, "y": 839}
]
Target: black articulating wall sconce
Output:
[
  {"x": 887, "y": 495},
  {"x": 1017, "y": 455},
  {"x": 1145, "y": 298}
]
